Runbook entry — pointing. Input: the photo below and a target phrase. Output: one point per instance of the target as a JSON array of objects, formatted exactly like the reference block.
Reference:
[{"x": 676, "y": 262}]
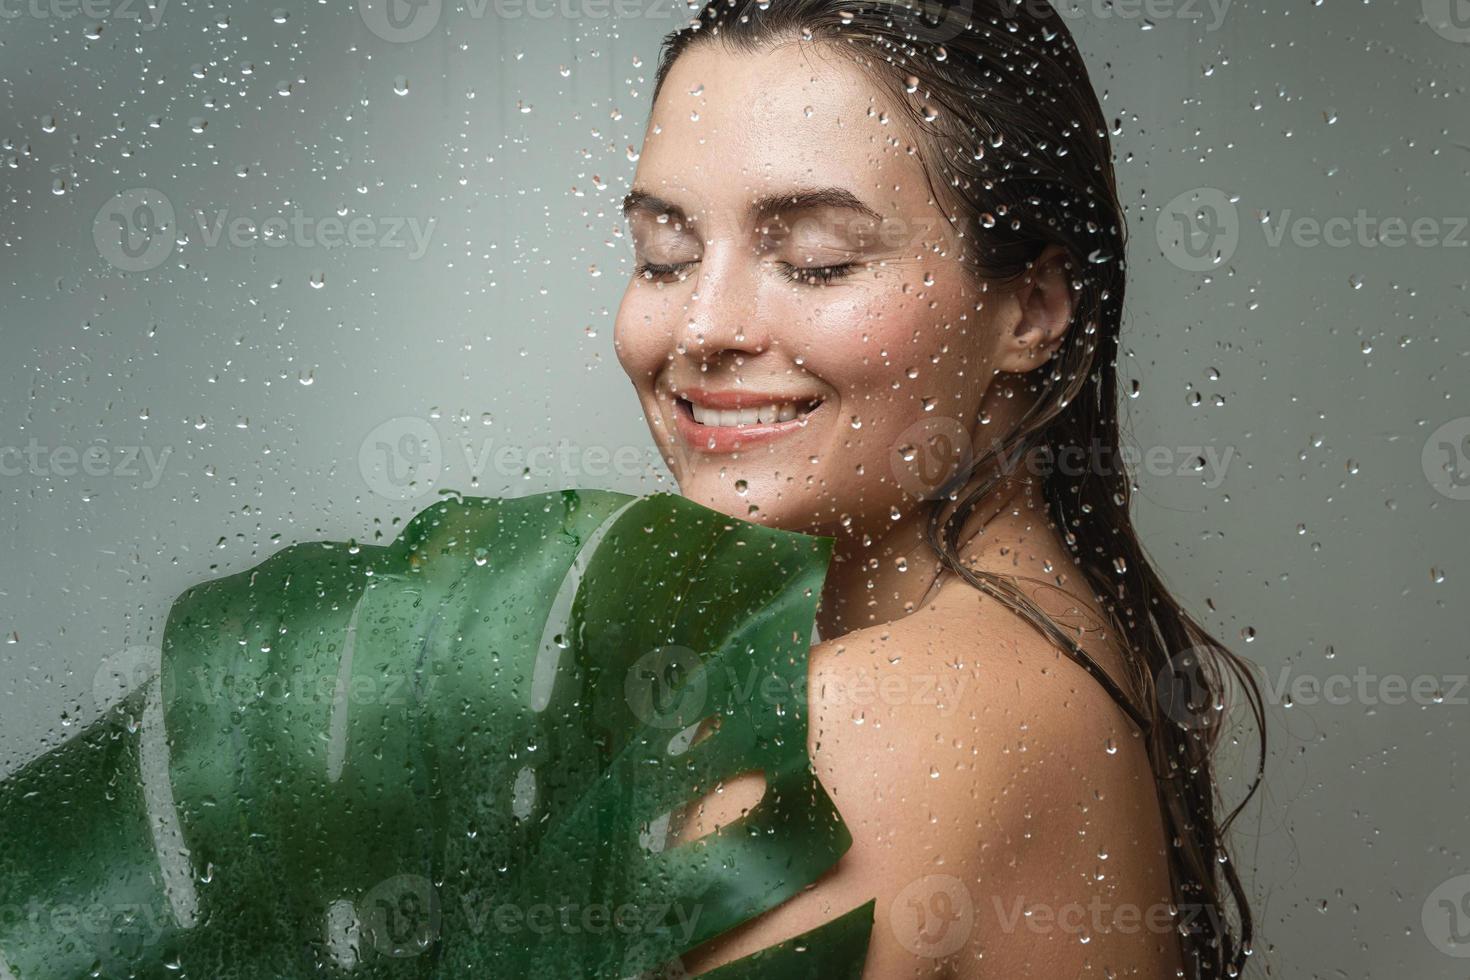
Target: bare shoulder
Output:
[{"x": 1002, "y": 808}]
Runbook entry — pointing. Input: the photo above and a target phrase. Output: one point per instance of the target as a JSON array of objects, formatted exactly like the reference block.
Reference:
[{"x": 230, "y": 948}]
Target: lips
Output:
[{"x": 724, "y": 421}]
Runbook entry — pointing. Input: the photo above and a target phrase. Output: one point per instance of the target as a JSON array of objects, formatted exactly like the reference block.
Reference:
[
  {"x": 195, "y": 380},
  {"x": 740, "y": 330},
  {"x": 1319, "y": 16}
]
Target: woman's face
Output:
[{"x": 800, "y": 317}]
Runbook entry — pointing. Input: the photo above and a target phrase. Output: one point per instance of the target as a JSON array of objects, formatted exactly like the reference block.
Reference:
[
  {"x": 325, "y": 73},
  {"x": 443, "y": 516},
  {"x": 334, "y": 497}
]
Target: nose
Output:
[{"x": 724, "y": 312}]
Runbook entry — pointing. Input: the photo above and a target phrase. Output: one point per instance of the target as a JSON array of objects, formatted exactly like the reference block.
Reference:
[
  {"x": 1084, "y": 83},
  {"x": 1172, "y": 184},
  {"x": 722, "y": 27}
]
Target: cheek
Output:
[
  {"x": 890, "y": 350},
  {"x": 641, "y": 336},
  {"x": 905, "y": 365}
]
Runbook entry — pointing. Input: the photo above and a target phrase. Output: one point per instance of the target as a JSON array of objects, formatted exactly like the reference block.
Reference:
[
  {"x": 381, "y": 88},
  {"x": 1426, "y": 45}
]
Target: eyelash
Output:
[
  {"x": 651, "y": 270},
  {"x": 820, "y": 275}
]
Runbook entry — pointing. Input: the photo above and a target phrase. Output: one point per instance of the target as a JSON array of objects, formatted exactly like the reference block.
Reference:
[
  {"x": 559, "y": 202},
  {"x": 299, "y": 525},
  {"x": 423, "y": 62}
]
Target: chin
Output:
[{"x": 763, "y": 501}]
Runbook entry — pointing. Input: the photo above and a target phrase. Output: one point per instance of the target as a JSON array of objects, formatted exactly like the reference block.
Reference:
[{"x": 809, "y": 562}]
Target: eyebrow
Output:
[{"x": 801, "y": 199}]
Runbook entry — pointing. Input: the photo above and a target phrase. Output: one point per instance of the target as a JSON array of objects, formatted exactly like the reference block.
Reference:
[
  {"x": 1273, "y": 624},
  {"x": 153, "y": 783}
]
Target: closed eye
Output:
[
  {"x": 811, "y": 275},
  {"x": 661, "y": 272},
  {"x": 816, "y": 275}
]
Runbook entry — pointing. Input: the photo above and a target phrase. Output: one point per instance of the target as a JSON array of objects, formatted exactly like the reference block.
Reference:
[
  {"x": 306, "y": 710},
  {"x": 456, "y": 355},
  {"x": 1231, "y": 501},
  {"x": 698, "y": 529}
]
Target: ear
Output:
[{"x": 1040, "y": 310}]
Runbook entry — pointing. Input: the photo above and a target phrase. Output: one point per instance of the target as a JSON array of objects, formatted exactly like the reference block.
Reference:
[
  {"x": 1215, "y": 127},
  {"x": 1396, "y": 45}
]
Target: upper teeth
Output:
[{"x": 783, "y": 412}]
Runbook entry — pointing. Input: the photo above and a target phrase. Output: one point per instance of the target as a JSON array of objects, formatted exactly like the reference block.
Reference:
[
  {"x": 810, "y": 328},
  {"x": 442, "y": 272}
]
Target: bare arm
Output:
[{"x": 1002, "y": 810}]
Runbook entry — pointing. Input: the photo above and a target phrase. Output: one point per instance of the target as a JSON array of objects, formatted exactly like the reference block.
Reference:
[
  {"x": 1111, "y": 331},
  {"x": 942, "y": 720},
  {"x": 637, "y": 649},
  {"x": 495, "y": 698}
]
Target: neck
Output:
[{"x": 879, "y": 575}]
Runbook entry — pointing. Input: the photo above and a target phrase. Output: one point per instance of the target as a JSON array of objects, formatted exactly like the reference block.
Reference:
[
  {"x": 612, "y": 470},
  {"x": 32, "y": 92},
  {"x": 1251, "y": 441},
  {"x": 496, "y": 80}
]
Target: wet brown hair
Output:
[{"x": 1016, "y": 148}]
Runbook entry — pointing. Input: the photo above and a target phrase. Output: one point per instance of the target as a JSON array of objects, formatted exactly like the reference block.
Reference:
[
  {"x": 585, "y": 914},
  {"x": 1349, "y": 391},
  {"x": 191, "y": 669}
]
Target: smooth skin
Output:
[{"x": 1002, "y": 807}]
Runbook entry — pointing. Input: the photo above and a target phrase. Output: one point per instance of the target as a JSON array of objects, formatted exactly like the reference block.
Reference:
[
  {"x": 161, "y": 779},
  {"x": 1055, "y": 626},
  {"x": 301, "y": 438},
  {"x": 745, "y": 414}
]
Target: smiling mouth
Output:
[{"x": 773, "y": 413}]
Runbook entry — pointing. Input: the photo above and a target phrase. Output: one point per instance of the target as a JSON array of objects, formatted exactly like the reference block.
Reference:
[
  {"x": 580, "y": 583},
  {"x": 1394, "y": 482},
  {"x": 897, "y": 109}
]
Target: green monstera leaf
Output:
[{"x": 456, "y": 755}]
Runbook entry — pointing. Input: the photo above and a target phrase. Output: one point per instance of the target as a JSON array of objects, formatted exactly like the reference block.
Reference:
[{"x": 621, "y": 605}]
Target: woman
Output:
[{"x": 870, "y": 242}]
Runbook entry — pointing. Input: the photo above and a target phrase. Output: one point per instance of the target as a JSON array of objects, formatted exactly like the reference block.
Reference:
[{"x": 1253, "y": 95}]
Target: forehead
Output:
[{"x": 731, "y": 123}]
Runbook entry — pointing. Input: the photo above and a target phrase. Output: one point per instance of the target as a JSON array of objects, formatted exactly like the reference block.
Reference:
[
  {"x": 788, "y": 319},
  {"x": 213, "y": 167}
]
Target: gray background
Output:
[{"x": 1323, "y": 369}]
